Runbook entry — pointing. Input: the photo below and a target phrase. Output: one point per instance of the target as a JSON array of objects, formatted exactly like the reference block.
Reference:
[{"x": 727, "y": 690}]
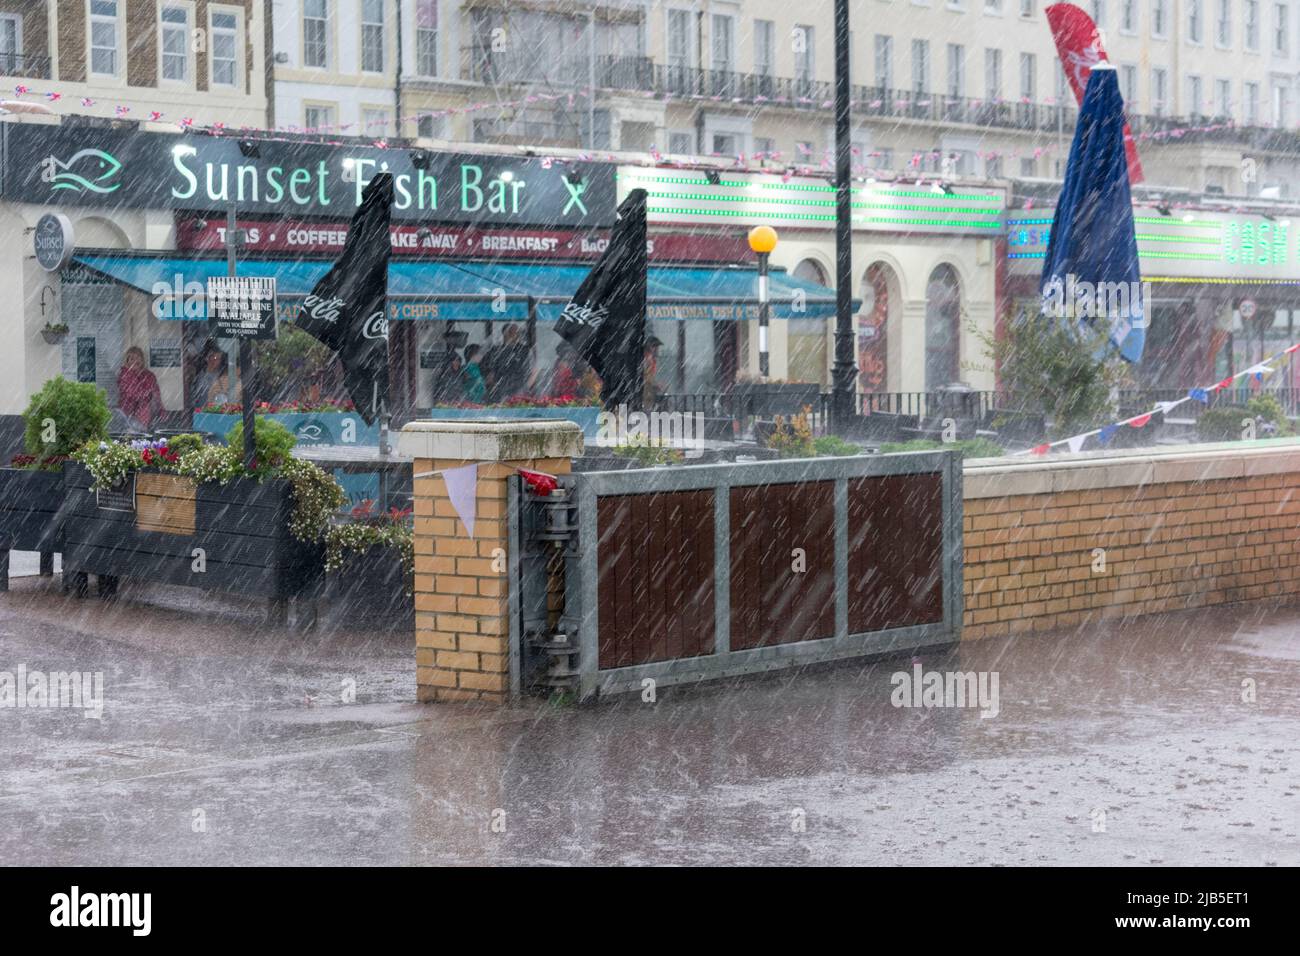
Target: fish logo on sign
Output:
[{"x": 88, "y": 170}]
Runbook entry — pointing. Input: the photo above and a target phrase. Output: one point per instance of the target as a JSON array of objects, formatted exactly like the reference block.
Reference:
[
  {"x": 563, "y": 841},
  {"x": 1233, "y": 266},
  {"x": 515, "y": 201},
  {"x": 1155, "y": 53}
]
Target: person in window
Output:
[
  {"x": 566, "y": 376},
  {"x": 473, "y": 384},
  {"x": 212, "y": 379},
  {"x": 510, "y": 369},
  {"x": 137, "y": 390}
]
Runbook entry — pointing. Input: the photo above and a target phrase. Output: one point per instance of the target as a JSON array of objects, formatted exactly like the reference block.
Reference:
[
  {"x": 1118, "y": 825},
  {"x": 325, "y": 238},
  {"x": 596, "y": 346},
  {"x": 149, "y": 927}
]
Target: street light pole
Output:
[
  {"x": 845, "y": 372},
  {"x": 762, "y": 240},
  {"x": 247, "y": 385}
]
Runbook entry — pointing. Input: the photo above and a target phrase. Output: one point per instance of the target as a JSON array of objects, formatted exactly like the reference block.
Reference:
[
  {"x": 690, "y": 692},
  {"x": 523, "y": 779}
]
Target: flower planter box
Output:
[
  {"x": 370, "y": 588},
  {"x": 765, "y": 400},
  {"x": 32, "y": 509},
  {"x": 152, "y": 532},
  {"x": 310, "y": 428},
  {"x": 587, "y": 417}
]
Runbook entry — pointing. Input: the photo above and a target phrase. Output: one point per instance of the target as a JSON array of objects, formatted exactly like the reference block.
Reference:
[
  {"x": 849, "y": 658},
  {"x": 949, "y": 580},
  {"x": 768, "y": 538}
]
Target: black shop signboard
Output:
[{"x": 72, "y": 165}]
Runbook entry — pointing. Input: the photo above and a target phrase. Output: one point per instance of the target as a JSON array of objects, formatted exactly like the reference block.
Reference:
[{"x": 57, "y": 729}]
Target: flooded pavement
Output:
[{"x": 224, "y": 742}]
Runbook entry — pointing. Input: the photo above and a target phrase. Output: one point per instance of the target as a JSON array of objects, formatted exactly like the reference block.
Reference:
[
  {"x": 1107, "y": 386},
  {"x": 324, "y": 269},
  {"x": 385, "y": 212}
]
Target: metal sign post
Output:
[{"x": 242, "y": 309}]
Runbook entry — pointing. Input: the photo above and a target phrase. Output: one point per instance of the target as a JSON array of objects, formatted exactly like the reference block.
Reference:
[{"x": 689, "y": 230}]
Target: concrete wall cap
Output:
[
  {"x": 492, "y": 439},
  {"x": 999, "y": 477}
]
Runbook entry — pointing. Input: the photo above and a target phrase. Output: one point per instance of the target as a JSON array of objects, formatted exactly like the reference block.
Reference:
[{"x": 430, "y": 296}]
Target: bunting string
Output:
[{"x": 1104, "y": 434}]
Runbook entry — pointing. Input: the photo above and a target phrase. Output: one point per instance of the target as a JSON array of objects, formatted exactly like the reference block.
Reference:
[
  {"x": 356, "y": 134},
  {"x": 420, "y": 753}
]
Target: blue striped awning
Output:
[{"x": 471, "y": 291}]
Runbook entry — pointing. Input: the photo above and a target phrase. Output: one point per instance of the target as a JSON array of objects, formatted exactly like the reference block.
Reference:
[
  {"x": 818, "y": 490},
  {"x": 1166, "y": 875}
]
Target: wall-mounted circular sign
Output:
[{"x": 53, "y": 241}]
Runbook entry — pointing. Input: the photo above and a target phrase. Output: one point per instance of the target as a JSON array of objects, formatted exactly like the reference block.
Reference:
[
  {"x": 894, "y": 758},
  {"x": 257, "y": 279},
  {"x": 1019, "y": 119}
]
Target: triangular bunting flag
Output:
[
  {"x": 1200, "y": 394},
  {"x": 539, "y": 481},
  {"x": 1108, "y": 432},
  {"x": 462, "y": 484},
  {"x": 1140, "y": 421},
  {"x": 1040, "y": 449},
  {"x": 1076, "y": 442}
]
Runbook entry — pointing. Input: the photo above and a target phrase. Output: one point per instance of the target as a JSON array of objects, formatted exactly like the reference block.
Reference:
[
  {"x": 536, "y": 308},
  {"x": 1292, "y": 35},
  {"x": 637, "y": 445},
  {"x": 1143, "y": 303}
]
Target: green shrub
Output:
[
  {"x": 1224, "y": 423},
  {"x": 834, "y": 446},
  {"x": 967, "y": 448},
  {"x": 63, "y": 416},
  {"x": 272, "y": 444},
  {"x": 184, "y": 444}
]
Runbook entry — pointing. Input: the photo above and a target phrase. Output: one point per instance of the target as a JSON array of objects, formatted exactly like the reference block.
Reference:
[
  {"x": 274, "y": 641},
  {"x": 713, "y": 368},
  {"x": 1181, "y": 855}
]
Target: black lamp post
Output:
[
  {"x": 844, "y": 374},
  {"x": 762, "y": 239}
]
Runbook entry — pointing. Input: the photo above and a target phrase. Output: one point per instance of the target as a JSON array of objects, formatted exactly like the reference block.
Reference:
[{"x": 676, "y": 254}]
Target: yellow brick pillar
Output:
[{"x": 462, "y": 626}]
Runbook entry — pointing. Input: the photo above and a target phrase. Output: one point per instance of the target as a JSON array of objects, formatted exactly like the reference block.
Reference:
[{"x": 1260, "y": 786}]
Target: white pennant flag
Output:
[
  {"x": 1076, "y": 442},
  {"x": 462, "y": 484}
]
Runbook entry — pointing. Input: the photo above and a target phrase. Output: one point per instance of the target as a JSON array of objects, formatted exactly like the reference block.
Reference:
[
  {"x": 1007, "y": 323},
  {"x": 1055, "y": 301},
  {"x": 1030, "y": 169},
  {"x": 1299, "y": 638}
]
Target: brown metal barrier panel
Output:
[
  {"x": 655, "y": 588},
  {"x": 895, "y": 551},
  {"x": 782, "y": 563}
]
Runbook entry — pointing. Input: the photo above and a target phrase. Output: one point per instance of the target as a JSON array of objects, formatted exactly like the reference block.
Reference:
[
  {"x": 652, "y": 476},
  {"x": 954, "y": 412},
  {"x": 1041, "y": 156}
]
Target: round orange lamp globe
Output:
[{"x": 762, "y": 239}]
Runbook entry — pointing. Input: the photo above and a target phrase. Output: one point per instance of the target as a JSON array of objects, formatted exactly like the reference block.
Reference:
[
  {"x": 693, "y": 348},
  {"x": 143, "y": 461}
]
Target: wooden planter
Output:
[
  {"x": 370, "y": 588},
  {"x": 167, "y": 529},
  {"x": 31, "y": 516}
]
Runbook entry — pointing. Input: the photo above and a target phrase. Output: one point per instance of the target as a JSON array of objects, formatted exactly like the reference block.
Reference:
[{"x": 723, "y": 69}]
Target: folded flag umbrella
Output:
[{"x": 1091, "y": 266}]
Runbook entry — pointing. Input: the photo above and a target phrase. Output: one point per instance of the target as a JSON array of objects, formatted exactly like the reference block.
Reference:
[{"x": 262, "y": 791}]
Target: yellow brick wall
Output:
[
  {"x": 461, "y": 600},
  {"x": 1168, "y": 546}
]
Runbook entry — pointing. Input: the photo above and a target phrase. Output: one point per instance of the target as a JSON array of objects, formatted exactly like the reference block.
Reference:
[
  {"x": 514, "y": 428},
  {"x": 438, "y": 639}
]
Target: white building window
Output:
[
  {"x": 1281, "y": 103},
  {"x": 884, "y": 61},
  {"x": 1128, "y": 86},
  {"x": 375, "y": 123},
  {"x": 764, "y": 47},
  {"x": 681, "y": 142},
  {"x": 956, "y": 70},
  {"x": 723, "y": 43},
  {"x": 1195, "y": 96},
  {"x": 225, "y": 48},
  {"x": 11, "y": 44},
  {"x": 1195, "y": 22},
  {"x": 993, "y": 6},
  {"x": 1252, "y": 25},
  {"x": 992, "y": 75},
  {"x": 1250, "y": 104},
  {"x": 1099, "y": 13},
  {"x": 1281, "y": 32},
  {"x": 174, "y": 41},
  {"x": 920, "y": 66},
  {"x": 105, "y": 42},
  {"x": 1026, "y": 8},
  {"x": 315, "y": 33},
  {"x": 1159, "y": 90},
  {"x": 372, "y": 36},
  {"x": 803, "y": 53},
  {"x": 1223, "y": 24},
  {"x": 1028, "y": 77},
  {"x": 1128, "y": 17},
  {"x": 1159, "y": 18},
  {"x": 318, "y": 118},
  {"x": 426, "y": 37},
  {"x": 1223, "y": 98}
]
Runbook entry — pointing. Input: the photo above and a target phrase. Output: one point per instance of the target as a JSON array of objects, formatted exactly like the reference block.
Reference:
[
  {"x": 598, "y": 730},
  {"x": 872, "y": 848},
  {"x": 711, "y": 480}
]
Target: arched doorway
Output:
[
  {"x": 879, "y": 287},
  {"x": 942, "y": 327},
  {"x": 808, "y": 359}
]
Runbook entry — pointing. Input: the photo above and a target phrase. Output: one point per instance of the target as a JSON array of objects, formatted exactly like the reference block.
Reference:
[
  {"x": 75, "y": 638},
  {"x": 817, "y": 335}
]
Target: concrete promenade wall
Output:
[{"x": 1056, "y": 543}]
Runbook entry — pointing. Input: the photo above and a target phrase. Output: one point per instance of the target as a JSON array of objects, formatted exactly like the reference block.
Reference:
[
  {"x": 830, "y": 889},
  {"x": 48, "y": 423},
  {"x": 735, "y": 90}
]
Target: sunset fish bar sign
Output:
[{"x": 89, "y": 166}]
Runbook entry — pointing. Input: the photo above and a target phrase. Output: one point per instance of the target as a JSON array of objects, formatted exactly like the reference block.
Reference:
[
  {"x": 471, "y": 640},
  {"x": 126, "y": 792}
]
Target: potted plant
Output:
[
  {"x": 60, "y": 418},
  {"x": 196, "y": 516},
  {"x": 54, "y": 332}
]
